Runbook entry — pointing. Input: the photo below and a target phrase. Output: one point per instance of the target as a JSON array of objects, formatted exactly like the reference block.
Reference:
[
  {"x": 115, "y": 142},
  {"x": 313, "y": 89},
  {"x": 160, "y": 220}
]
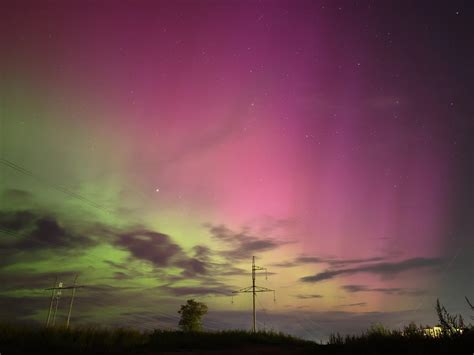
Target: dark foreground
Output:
[{"x": 15, "y": 339}]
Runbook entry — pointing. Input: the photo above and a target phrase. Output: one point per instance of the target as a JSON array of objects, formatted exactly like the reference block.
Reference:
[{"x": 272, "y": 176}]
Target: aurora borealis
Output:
[{"x": 153, "y": 147}]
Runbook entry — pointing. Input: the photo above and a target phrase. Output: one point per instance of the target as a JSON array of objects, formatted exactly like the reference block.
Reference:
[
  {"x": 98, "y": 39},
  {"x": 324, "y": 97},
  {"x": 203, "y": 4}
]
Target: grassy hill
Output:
[{"x": 20, "y": 339}]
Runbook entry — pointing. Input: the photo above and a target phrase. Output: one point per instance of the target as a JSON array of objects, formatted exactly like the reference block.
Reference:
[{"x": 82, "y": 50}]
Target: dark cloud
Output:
[
  {"x": 16, "y": 195},
  {"x": 30, "y": 230},
  {"x": 306, "y": 297},
  {"x": 227, "y": 269},
  {"x": 360, "y": 304},
  {"x": 218, "y": 289},
  {"x": 119, "y": 275},
  {"x": 161, "y": 251},
  {"x": 243, "y": 245},
  {"x": 202, "y": 252},
  {"x": 152, "y": 246},
  {"x": 17, "y": 221},
  {"x": 192, "y": 267},
  {"x": 116, "y": 265},
  {"x": 104, "y": 289},
  {"x": 27, "y": 231},
  {"x": 207, "y": 256},
  {"x": 20, "y": 309},
  {"x": 342, "y": 262},
  {"x": 388, "y": 291},
  {"x": 285, "y": 264},
  {"x": 301, "y": 260},
  {"x": 383, "y": 269}
]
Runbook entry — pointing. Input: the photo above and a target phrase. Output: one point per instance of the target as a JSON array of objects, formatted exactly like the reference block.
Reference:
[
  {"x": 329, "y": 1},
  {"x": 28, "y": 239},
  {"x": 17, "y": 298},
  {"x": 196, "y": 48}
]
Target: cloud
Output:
[
  {"x": 119, "y": 275},
  {"x": 21, "y": 309},
  {"x": 383, "y": 269},
  {"x": 342, "y": 262},
  {"x": 360, "y": 304},
  {"x": 305, "y": 297},
  {"x": 116, "y": 265},
  {"x": 243, "y": 245},
  {"x": 387, "y": 291},
  {"x": 31, "y": 230},
  {"x": 202, "y": 251},
  {"x": 152, "y": 246},
  {"x": 16, "y": 195},
  {"x": 16, "y": 221},
  {"x": 193, "y": 267},
  {"x": 285, "y": 264},
  {"x": 302, "y": 260},
  {"x": 197, "y": 290},
  {"x": 161, "y": 251}
]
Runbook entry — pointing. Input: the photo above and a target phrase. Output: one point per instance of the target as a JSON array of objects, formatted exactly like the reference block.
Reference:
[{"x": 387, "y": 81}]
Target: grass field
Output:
[{"x": 20, "y": 339}]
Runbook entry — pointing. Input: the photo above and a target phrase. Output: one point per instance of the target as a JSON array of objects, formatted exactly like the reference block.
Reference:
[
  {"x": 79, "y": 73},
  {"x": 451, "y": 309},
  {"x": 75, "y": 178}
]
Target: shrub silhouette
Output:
[
  {"x": 449, "y": 324},
  {"x": 412, "y": 330}
]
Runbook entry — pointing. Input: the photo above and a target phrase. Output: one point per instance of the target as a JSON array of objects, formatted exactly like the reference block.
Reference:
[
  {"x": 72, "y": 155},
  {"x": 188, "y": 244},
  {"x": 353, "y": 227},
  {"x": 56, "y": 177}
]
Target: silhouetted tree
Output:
[{"x": 191, "y": 314}]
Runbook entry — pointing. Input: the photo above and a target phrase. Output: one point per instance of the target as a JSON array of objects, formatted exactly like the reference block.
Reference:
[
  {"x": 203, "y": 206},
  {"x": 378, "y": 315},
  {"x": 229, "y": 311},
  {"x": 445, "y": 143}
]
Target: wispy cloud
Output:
[
  {"x": 242, "y": 244},
  {"x": 360, "y": 304},
  {"x": 306, "y": 297},
  {"x": 383, "y": 269},
  {"x": 388, "y": 291},
  {"x": 217, "y": 290},
  {"x": 335, "y": 262}
]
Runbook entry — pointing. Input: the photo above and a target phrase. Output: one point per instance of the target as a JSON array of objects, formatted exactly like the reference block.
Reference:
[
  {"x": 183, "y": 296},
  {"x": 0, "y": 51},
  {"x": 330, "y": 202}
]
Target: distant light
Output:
[{"x": 157, "y": 190}]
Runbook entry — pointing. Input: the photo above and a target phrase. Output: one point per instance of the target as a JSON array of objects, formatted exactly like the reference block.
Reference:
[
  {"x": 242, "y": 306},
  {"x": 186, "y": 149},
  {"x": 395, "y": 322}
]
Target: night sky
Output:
[{"x": 154, "y": 147}]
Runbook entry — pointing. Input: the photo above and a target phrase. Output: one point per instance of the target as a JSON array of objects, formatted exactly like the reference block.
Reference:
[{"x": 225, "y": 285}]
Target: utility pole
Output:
[
  {"x": 55, "y": 295},
  {"x": 254, "y": 289},
  {"x": 72, "y": 301}
]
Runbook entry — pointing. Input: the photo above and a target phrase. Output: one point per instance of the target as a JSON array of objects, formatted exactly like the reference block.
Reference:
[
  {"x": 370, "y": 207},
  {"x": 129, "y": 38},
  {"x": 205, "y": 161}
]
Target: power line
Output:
[{"x": 51, "y": 185}]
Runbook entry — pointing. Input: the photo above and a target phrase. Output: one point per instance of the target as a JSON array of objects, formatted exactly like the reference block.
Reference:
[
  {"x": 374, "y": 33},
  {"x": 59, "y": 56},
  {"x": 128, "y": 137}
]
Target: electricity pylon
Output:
[
  {"x": 254, "y": 289},
  {"x": 56, "y": 292}
]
